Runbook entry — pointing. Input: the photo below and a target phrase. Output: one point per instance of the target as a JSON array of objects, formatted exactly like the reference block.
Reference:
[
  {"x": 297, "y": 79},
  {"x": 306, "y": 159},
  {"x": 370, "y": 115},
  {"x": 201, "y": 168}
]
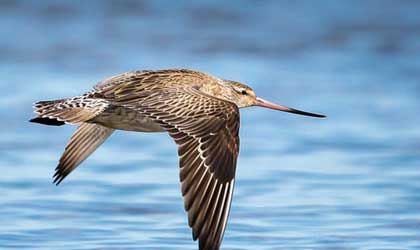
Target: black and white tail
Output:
[
  {"x": 88, "y": 136},
  {"x": 72, "y": 110}
]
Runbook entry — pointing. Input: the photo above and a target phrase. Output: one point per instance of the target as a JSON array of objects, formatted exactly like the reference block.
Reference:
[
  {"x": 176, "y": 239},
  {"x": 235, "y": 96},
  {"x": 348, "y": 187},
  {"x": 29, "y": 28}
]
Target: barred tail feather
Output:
[
  {"x": 47, "y": 121},
  {"x": 73, "y": 110}
]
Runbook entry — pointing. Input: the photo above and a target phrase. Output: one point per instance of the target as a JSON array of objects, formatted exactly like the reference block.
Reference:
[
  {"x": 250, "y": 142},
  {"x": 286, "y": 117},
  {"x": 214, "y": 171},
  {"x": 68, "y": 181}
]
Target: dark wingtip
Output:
[
  {"x": 47, "y": 121},
  {"x": 57, "y": 180},
  {"x": 58, "y": 177}
]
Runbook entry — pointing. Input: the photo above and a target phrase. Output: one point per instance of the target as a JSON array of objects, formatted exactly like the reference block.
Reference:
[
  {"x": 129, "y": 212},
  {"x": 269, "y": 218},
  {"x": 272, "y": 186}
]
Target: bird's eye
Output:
[{"x": 243, "y": 92}]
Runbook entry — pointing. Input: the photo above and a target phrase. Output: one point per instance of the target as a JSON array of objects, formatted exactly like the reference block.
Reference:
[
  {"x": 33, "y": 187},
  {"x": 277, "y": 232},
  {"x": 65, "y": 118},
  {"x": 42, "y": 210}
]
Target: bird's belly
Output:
[{"x": 126, "y": 119}]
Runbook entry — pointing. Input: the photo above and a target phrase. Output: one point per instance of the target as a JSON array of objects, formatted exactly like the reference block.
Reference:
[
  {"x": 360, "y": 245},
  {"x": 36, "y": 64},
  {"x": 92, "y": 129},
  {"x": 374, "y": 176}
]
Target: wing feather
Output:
[
  {"x": 87, "y": 138},
  {"x": 206, "y": 131}
]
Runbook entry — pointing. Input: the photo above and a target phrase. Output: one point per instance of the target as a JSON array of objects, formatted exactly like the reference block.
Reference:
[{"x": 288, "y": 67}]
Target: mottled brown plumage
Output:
[{"x": 200, "y": 112}]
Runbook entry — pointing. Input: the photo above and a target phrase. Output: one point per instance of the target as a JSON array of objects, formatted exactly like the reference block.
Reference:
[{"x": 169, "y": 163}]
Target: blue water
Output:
[{"x": 348, "y": 182}]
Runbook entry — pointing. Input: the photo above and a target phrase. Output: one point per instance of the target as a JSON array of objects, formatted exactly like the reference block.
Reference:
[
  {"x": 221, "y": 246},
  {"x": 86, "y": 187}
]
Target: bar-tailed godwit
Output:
[{"x": 199, "y": 111}]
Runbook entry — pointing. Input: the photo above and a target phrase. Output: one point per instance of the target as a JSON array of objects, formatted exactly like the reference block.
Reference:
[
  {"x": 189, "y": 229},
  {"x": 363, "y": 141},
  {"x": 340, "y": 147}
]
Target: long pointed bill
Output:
[{"x": 270, "y": 105}]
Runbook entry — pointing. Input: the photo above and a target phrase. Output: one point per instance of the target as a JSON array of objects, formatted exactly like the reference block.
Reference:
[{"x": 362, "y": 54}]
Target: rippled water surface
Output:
[{"x": 348, "y": 182}]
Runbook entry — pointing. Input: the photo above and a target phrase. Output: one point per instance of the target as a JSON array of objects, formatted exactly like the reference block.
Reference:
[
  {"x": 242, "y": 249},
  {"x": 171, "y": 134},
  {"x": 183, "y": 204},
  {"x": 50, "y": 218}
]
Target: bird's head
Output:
[{"x": 243, "y": 96}]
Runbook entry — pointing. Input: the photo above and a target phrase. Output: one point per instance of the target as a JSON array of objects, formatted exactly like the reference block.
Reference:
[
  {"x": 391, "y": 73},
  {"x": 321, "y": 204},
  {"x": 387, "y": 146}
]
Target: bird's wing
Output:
[
  {"x": 206, "y": 131},
  {"x": 83, "y": 143}
]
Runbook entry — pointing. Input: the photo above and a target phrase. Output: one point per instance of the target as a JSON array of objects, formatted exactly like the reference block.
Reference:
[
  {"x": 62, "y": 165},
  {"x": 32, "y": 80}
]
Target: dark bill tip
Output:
[{"x": 300, "y": 112}]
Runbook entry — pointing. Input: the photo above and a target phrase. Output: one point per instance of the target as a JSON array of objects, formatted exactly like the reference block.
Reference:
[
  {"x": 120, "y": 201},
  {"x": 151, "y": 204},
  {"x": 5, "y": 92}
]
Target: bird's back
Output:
[{"x": 142, "y": 83}]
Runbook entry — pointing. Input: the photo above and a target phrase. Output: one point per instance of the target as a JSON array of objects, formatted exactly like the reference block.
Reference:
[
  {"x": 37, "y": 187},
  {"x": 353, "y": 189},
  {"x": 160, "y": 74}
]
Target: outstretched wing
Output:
[
  {"x": 206, "y": 131},
  {"x": 87, "y": 138}
]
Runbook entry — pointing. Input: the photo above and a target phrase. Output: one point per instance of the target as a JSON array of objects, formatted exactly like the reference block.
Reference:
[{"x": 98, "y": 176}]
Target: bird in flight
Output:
[{"x": 199, "y": 111}]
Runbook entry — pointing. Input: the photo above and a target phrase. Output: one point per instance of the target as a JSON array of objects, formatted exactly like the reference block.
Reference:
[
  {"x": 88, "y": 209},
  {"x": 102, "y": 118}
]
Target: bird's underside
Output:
[{"x": 204, "y": 128}]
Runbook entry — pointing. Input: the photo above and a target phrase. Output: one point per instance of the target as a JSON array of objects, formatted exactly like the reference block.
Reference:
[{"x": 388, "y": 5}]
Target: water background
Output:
[{"x": 351, "y": 181}]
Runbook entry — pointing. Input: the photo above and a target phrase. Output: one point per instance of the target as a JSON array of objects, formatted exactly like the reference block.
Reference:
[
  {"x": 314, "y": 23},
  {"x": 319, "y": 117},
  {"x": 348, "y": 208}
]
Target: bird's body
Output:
[
  {"x": 127, "y": 119},
  {"x": 143, "y": 83},
  {"x": 200, "y": 112}
]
